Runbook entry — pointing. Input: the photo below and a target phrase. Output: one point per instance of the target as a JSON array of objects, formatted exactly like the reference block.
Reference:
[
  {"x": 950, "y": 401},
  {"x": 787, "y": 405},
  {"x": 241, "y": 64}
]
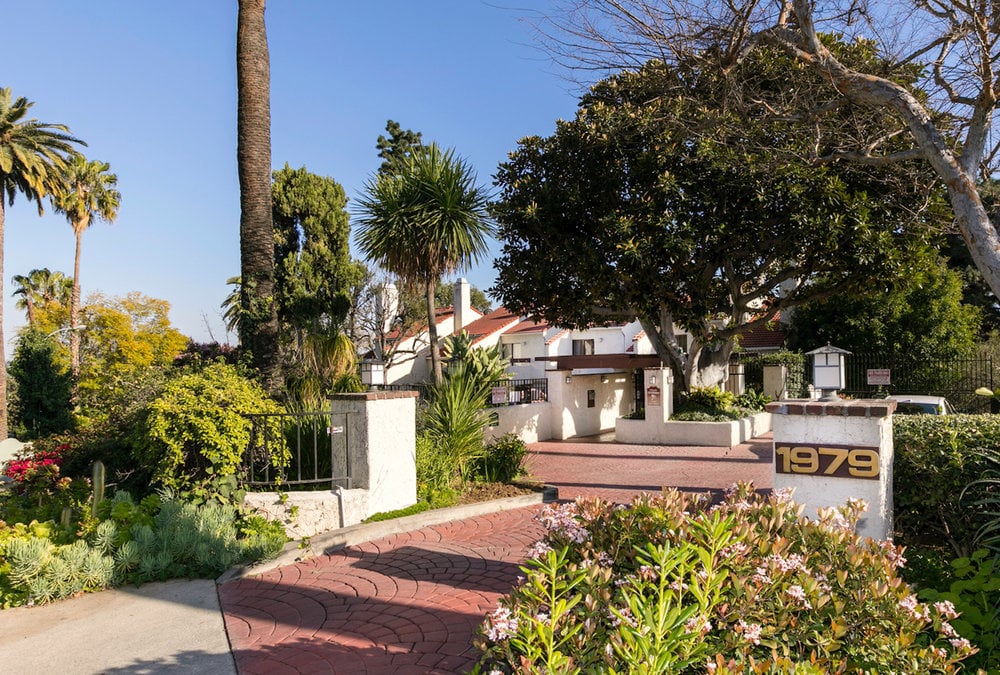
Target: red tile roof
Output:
[
  {"x": 763, "y": 336},
  {"x": 495, "y": 321}
]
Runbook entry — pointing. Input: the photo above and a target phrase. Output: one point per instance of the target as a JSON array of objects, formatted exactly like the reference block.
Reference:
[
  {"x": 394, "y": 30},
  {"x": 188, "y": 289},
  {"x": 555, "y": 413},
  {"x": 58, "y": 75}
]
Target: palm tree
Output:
[
  {"x": 259, "y": 322},
  {"x": 89, "y": 194},
  {"x": 32, "y": 154},
  {"x": 424, "y": 220},
  {"x": 40, "y": 289}
]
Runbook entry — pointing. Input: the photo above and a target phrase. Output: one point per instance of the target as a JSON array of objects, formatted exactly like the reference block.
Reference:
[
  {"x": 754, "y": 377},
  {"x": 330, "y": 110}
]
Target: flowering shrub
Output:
[
  {"x": 24, "y": 468},
  {"x": 40, "y": 489},
  {"x": 674, "y": 584}
]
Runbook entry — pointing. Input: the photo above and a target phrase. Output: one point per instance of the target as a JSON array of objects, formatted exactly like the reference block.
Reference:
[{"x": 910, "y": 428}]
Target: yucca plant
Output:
[{"x": 456, "y": 419}]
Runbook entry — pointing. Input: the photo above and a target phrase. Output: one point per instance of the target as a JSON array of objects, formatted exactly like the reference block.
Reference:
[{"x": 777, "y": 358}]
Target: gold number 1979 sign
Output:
[{"x": 840, "y": 461}]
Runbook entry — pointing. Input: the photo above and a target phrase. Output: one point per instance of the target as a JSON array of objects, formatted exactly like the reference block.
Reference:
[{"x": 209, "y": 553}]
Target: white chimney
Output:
[
  {"x": 462, "y": 304},
  {"x": 388, "y": 305}
]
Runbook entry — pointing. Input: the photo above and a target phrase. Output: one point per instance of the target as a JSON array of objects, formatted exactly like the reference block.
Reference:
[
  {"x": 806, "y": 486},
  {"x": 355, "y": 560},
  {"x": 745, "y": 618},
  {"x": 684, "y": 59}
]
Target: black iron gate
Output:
[{"x": 955, "y": 379}]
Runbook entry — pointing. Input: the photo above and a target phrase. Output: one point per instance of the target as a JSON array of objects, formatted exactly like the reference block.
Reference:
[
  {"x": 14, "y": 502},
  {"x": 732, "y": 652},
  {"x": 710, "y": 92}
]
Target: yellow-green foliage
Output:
[{"x": 198, "y": 425}]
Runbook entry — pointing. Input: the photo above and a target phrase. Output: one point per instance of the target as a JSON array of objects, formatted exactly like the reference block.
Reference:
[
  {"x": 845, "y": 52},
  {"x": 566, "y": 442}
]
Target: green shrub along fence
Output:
[
  {"x": 319, "y": 446},
  {"x": 936, "y": 458}
]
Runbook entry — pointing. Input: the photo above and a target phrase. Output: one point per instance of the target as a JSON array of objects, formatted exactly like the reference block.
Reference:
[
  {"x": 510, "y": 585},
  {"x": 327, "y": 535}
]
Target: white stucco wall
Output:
[
  {"x": 862, "y": 423},
  {"x": 531, "y": 422},
  {"x": 570, "y": 415},
  {"x": 712, "y": 434},
  {"x": 382, "y": 438}
]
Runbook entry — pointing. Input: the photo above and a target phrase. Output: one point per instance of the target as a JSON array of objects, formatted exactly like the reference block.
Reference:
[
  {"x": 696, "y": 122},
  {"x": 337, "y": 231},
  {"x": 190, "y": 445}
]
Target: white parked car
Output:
[{"x": 916, "y": 404}]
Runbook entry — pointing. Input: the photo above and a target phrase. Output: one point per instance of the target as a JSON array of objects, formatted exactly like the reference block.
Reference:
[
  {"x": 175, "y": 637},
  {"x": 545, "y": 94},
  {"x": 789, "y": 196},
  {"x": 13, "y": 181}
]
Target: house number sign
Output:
[{"x": 838, "y": 461}]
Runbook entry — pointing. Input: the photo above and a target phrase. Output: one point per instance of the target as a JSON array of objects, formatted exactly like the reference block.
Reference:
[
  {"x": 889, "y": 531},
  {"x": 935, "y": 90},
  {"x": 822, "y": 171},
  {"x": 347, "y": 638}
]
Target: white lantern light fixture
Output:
[
  {"x": 372, "y": 373},
  {"x": 829, "y": 372}
]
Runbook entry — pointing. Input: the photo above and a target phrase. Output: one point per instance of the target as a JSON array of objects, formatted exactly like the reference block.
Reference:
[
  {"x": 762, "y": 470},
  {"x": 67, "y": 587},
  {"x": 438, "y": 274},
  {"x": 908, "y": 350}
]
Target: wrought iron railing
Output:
[
  {"x": 317, "y": 446},
  {"x": 518, "y": 392}
]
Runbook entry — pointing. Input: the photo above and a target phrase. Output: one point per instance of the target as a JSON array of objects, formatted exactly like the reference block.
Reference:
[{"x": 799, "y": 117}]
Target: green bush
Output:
[
  {"x": 199, "y": 423},
  {"x": 975, "y": 595},
  {"x": 936, "y": 458},
  {"x": 709, "y": 397},
  {"x": 752, "y": 400},
  {"x": 435, "y": 472},
  {"x": 673, "y": 584},
  {"x": 501, "y": 460},
  {"x": 711, "y": 404}
]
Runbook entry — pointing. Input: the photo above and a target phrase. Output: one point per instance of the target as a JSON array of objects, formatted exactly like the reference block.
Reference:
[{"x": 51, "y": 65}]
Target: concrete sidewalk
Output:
[{"x": 168, "y": 627}]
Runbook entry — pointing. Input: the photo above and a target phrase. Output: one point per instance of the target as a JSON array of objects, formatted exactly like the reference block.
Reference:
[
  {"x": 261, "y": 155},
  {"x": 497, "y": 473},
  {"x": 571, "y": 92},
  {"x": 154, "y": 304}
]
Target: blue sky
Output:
[{"x": 151, "y": 88}]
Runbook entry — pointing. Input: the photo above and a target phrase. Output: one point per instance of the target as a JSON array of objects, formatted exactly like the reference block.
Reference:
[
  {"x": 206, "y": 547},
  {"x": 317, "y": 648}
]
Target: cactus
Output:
[{"x": 98, "y": 485}]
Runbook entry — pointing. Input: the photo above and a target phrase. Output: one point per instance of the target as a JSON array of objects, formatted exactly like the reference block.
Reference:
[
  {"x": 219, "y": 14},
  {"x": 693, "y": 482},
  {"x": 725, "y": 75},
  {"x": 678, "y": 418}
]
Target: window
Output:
[
  {"x": 583, "y": 347},
  {"x": 682, "y": 342}
]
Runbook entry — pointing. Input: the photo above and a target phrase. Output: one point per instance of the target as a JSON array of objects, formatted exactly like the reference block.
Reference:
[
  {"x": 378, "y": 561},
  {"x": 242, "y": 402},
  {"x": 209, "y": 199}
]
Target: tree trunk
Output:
[
  {"x": 432, "y": 334},
  {"x": 3, "y": 343},
  {"x": 74, "y": 313},
  {"x": 709, "y": 367},
  {"x": 253, "y": 153},
  {"x": 958, "y": 173}
]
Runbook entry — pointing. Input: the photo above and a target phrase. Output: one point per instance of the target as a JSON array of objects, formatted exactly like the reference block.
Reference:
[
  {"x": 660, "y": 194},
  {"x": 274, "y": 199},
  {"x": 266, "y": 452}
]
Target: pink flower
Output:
[
  {"x": 751, "y": 631},
  {"x": 799, "y": 595},
  {"x": 500, "y": 624}
]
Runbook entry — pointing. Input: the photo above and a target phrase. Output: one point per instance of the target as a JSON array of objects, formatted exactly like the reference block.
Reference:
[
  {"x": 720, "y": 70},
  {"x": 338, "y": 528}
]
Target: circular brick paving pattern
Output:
[
  {"x": 411, "y": 603},
  {"x": 618, "y": 472}
]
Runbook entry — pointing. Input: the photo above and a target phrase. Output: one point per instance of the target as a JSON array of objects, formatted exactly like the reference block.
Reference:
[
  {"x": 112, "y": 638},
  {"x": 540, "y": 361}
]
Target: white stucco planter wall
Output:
[
  {"x": 713, "y": 434},
  {"x": 531, "y": 422},
  {"x": 306, "y": 514}
]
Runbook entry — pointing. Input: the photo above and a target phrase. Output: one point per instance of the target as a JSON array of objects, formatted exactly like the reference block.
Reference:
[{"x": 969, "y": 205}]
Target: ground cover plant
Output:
[
  {"x": 95, "y": 543},
  {"x": 674, "y": 584}
]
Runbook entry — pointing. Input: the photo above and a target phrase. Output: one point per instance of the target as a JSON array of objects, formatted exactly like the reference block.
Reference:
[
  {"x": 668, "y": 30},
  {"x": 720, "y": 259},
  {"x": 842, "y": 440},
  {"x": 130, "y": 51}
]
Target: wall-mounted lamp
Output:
[
  {"x": 568, "y": 379},
  {"x": 604, "y": 379}
]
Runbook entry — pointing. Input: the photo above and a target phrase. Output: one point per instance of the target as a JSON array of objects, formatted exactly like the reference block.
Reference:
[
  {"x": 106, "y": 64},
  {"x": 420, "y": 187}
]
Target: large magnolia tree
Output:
[
  {"x": 665, "y": 200},
  {"x": 944, "y": 116}
]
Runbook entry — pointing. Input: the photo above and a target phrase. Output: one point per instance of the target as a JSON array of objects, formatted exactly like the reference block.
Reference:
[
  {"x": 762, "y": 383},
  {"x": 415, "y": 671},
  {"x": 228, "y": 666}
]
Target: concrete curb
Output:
[{"x": 327, "y": 542}]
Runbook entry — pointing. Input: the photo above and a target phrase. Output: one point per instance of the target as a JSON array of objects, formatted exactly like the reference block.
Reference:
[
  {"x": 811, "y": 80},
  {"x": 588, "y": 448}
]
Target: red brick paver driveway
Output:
[
  {"x": 598, "y": 468},
  {"x": 410, "y": 603}
]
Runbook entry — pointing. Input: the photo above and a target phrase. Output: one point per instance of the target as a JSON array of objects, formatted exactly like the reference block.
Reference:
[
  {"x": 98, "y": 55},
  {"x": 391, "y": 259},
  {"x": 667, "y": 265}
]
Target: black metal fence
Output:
[
  {"x": 518, "y": 392},
  {"x": 502, "y": 392},
  {"x": 955, "y": 379},
  {"x": 317, "y": 446}
]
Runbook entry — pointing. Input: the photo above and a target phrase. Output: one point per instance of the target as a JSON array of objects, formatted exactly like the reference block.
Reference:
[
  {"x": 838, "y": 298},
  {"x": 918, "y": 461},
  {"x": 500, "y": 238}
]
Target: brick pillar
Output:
[
  {"x": 831, "y": 451},
  {"x": 381, "y": 446}
]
